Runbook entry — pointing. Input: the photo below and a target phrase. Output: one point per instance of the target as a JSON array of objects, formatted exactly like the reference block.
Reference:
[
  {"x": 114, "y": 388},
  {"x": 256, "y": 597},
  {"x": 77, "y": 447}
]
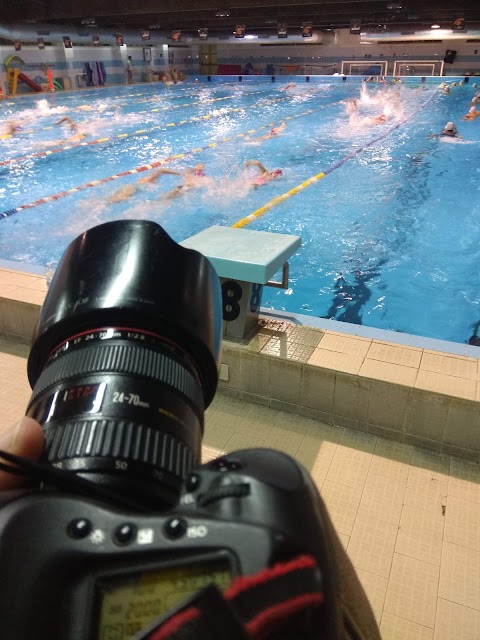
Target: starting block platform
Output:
[{"x": 245, "y": 262}]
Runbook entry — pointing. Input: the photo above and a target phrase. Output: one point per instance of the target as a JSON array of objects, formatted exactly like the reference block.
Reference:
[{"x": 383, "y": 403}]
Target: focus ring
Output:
[
  {"x": 118, "y": 439},
  {"x": 121, "y": 359}
]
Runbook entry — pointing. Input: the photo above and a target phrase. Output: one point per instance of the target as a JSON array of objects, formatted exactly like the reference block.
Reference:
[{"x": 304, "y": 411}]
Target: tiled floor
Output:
[{"x": 409, "y": 518}]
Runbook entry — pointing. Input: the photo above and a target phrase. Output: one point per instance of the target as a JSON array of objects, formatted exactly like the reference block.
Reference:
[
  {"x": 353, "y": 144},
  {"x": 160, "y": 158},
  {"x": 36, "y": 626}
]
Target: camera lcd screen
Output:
[{"x": 129, "y": 603}]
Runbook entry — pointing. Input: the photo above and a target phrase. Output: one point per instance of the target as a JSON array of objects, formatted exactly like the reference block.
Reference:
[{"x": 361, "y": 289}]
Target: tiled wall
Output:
[{"x": 412, "y": 395}]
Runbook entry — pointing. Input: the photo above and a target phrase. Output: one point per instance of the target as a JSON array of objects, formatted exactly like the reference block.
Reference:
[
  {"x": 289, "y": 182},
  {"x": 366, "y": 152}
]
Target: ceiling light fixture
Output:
[{"x": 435, "y": 26}]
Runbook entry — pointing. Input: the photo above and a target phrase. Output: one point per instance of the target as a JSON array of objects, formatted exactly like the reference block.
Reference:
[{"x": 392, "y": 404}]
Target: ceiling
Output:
[{"x": 259, "y": 16}]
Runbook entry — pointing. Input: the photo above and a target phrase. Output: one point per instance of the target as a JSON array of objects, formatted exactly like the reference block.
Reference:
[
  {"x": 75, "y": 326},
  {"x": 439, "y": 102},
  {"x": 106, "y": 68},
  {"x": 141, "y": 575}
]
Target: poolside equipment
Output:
[{"x": 13, "y": 64}]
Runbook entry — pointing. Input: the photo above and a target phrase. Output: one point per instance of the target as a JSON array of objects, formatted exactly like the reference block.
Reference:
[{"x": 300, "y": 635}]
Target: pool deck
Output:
[{"x": 412, "y": 394}]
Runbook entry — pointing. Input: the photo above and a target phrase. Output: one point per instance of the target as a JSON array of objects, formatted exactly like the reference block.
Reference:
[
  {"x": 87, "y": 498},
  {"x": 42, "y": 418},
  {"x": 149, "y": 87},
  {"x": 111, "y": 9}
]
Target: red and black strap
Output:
[{"x": 252, "y": 608}]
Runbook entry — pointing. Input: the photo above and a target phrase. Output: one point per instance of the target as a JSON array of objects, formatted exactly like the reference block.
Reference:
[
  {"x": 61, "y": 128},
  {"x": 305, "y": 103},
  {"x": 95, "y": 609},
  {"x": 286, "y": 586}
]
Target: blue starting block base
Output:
[{"x": 245, "y": 261}]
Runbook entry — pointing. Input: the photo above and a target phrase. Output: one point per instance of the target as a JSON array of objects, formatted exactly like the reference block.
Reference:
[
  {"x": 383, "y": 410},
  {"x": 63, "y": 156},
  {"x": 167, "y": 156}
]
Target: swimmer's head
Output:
[
  {"x": 276, "y": 173},
  {"x": 472, "y": 110},
  {"x": 450, "y": 126}
]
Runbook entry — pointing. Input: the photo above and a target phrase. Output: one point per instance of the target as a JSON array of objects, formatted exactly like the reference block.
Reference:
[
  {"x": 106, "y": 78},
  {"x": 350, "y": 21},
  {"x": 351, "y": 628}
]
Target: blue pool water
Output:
[{"x": 390, "y": 237}]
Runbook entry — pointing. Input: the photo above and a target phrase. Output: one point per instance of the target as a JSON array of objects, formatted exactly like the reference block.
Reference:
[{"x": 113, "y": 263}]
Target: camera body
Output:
[{"x": 78, "y": 569}]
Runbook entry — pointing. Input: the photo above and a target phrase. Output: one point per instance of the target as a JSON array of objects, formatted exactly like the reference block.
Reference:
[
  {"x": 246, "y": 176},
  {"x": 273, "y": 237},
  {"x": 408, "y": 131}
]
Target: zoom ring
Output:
[
  {"x": 121, "y": 359},
  {"x": 118, "y": 439}
]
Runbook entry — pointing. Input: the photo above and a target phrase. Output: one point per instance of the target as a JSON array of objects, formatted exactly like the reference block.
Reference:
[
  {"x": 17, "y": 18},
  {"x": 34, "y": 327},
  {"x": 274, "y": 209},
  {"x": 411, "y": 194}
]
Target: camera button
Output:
[
  {"x": 175, "y": 528},
  {"x": 125, "y": 533},
  {"x": 79, "y": 528},
  {"x": 192, "y": 482}
]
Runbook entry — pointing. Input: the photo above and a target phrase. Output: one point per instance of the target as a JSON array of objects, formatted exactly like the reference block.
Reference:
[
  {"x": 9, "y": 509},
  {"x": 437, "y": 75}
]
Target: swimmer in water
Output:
[
  {"x": 449, "y": 131},
  {"x": 381, "y": 119},
  {"x": 193, "y": 178},
  {"x": 130, "y": 190},
  {"x": 472, "y": 114},
  {"x": 265, "y": 175},
  {"x": 352, "y": 106},
  {"x": 289, "y": 86},
  {"x": 476, "y": 98},
  {"x": 275, "y": 131},
  {"x": 11, "y": 128},
  {"x": 78, "y": 135}
]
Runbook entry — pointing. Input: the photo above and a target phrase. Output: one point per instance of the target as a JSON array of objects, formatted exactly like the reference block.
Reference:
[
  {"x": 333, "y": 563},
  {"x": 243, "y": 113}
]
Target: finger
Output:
[{"x": 25, "y": 438}]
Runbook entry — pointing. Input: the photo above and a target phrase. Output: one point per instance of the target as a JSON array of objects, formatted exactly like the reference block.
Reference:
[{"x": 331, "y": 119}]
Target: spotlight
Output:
[
  {"x": 222, "y": 14},
  {"x": 435, "y": 26}
]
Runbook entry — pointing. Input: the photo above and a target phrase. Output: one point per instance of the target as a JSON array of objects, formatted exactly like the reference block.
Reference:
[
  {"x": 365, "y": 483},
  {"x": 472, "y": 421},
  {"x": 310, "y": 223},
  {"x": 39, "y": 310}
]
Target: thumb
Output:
[{"x": 25, "y": 438}]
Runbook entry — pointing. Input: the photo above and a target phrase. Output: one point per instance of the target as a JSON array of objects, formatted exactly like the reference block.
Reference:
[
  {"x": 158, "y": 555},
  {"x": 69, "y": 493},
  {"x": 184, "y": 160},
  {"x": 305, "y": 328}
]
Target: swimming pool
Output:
[{"x": 390, "y": 235}]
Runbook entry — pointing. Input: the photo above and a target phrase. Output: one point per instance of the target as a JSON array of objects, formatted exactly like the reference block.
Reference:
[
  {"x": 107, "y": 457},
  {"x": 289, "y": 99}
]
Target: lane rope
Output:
[
  {"x": 153, "y": 165},
  {"x": 243, "y": 222},
  {"x": 99, "y": 120},
  {"x": 40, "y": 154}
]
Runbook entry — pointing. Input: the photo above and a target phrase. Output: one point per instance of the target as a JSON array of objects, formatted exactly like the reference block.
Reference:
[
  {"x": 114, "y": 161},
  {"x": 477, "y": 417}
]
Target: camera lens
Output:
[{"x": 125, "y": 358}]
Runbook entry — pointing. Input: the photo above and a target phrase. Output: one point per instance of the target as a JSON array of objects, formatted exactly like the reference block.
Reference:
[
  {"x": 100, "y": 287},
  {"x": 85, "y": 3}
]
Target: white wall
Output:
[{"x": 322, "y": 59}]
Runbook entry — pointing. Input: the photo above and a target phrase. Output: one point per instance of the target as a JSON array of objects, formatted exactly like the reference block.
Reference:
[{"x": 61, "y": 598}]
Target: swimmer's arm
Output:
[
  {"x": 256, "y": 163},
  {"x": 67, "y": 119},
  {"x": 156, "y": 174}
]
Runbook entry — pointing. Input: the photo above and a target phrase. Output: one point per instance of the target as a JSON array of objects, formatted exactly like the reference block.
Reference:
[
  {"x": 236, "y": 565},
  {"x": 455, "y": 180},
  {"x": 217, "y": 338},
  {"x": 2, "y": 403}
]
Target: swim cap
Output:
[
  {"x": 450, "y": 126},
  {"x": 472, "y": 109}
]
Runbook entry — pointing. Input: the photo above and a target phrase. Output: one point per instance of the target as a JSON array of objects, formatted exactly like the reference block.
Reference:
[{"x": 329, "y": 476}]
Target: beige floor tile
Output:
[
  {"x": 317, "y": 446},
  {"x": 351, "y": 345},
  {"x": 319, "y": 469},
  {"x": 292, "y": 422},
  {"x": 420, "y": 535},
  {"x": 376, "y": 589},
  {"x": 242, "y": 441},
  {"x": 391, "y": 459},
  {"x": 217, "y": 437},
  {"x": 382, "y": 498},
  {"x": 464, "y": 480},
  {"x": 342, "y": 504},
  {"x": 460, "y": 576},
  {"x": 429, "y": 495},
  {"x": 412, "y": 590},
  {"x": 371, "y": 545},
  {"x": 450, "y": 365},
  {"x": 456, "y": 622},
  {"x": 387, "y": 352},
  {"x": 395, "y": 628},
  {"x": 349, "y": 467},
  {"x": 462, "y": 523},
  {"x": 430, "y": 462},
  {"x": 254, "y": 428}
]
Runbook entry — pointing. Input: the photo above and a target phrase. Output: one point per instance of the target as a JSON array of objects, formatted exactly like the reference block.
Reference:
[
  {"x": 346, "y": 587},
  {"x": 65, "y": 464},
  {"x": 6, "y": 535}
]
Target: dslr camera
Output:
[{"x": 123, "y": 534}]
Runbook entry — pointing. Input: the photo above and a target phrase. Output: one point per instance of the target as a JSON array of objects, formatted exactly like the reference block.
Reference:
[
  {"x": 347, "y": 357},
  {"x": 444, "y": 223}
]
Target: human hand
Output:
[{"x": 25, "y": 438}]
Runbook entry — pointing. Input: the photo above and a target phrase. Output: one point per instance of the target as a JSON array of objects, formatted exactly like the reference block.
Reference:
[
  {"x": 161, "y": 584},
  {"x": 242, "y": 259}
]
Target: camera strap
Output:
[{"x": 252, "y": 608}]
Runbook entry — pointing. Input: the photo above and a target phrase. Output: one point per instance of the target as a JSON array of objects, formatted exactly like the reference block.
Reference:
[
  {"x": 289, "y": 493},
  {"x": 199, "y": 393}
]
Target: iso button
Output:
[
  {"x": 125, "y": 533},
  {"x": 175, "y": 528}
]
